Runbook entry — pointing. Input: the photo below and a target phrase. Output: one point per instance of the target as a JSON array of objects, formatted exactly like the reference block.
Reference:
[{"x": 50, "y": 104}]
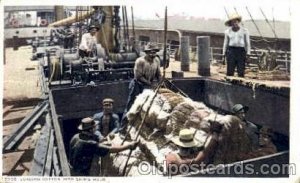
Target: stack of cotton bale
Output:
[
  {"x": 158, "y": 113},
  {"x": 171, "y": 112}
]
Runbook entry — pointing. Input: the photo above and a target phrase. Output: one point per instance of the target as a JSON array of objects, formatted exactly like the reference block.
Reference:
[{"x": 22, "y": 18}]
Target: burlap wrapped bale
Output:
[
  {"x": 162, "y": 119},
  {"x": 180, "y": 115},
  {"x": 164, "y": 90},
  {"x": 196, "y": 118},
  {"x": 173, "y": 98},
  {"x": 197, "y": 105},
  {"x": 157, "y": 116},
  {"x": 136, "y": 107}
]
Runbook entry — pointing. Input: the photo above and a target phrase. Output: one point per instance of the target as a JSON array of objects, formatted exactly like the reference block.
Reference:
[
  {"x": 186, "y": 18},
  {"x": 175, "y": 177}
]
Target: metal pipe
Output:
[
  {"x": 124, "y": 26},
  {"x": 165, "y": 43},
  {"x": 59, "y": 13},
  {"x": 127, "y": 29},
  {"x": 72, "y": 19},
  {"x": 132, "y": 20}
]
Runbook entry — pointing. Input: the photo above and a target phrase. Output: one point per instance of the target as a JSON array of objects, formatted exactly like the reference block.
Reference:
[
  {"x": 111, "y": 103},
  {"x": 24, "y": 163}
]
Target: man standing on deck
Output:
[
  {"x": 236, "y": 46},
  {"x": 146, "y": 75}
]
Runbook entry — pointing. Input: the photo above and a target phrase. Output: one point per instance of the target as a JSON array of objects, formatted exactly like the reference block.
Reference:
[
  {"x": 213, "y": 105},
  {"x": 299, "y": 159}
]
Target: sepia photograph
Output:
[{"x": 105, "y": 91}]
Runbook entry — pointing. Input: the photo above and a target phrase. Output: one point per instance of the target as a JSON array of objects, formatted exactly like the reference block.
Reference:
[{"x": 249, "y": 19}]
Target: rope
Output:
[
  {"x": 226, "y": 12},
  {"x": 260, "y": 40},
  {"x": 268, "y": 46},
  {"x": 142, "y": 124},
  {"x": 266, "y": 19},
  {"x": 276, "y": 37}
]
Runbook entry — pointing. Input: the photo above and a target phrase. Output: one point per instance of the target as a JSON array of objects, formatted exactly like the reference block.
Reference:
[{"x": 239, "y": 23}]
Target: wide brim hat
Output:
[
  {"x": 93, "y": 27},
  {"x": 185, "y": 139},
  {"x": 151, "y": 47},
  {"x": 87, "y": 123},
  {"x": 233, "y": 17},
  {"x": 238, "y": 107}
]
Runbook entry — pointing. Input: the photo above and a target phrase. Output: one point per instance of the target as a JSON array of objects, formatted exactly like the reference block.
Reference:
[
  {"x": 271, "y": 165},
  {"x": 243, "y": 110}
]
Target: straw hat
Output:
[
  {"x": 87, "y": 123},
  {"x": 151, "y": 47},
  {"x": 238, "y": 107},
  {"x": 185, "y": 139},
  {"x": 233, "y": 17},
  {"x": 107, "y": 101}
]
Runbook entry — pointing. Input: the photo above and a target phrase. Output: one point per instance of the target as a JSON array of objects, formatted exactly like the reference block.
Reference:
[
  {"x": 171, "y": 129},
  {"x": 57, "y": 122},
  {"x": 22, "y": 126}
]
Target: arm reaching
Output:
[{"x": 131, "y": 145}]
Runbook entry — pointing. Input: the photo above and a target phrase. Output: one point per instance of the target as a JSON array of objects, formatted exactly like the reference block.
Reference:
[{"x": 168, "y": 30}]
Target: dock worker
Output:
[
  {"x": 266, "y": 145},
  {"x": 250, "y": 128},
  {"x": 186, "y": 156},
  {"x": 84, "y": 146},
  {"x": 236, "y": 47},
  {"x": 88, "y": 41},
  {"x": 146, "y": 74},
  {"x": 108, "y": 121}
]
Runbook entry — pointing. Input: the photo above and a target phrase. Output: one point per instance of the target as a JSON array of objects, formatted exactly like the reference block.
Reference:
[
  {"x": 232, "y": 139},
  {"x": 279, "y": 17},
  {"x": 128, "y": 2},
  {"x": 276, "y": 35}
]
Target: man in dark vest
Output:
[
  {"x": 85, "y": 145},
  {"x": 108, "y": 121}
]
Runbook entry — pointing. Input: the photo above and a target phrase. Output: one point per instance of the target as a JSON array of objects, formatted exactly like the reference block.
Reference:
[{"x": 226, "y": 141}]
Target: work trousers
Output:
[
  {"x": 236, "y": 58},
  {"x": 83, "y": 53},
  {"x": 135, "y": 88}
]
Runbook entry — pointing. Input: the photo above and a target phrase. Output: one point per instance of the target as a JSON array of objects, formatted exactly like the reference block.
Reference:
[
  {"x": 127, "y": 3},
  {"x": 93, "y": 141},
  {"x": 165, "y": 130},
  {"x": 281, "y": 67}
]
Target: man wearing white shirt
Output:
[
  {"x": 236, "y": 46},
  {"x": 88, "y": 41}
]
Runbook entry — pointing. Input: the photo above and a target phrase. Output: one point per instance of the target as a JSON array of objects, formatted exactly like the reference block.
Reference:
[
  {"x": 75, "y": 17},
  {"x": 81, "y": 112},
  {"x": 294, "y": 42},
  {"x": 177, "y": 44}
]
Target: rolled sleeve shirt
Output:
[
  {"x": 147, "y": 70},
  {"x": 239, "y": 38}
]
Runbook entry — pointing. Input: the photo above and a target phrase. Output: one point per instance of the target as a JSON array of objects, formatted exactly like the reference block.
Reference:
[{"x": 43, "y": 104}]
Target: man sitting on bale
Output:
[
  {"x": 186, "y": 158},
  {"x": 251, "y": 129},
  {"x": 84, "y": 146},
  {"x": 108, "y": 121}
]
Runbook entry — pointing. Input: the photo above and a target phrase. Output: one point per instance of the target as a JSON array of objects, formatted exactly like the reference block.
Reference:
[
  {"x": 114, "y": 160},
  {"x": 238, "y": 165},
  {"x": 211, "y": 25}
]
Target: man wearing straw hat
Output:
[
  {"x": 236, "y": 46},
  {"x": 88, "y": 41},
  {"x": 84, "y": 146},
  {"x": 187, "y": 156}
]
